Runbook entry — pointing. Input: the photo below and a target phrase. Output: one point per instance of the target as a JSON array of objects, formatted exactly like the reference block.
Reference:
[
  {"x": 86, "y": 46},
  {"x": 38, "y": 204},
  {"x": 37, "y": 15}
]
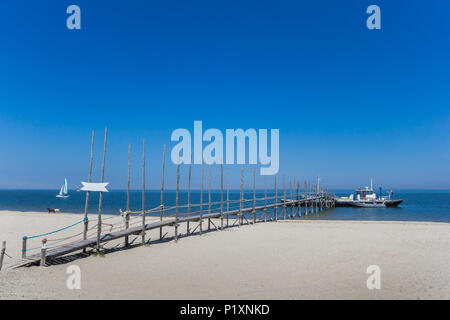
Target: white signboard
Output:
[{"x": 94, "y": 186}]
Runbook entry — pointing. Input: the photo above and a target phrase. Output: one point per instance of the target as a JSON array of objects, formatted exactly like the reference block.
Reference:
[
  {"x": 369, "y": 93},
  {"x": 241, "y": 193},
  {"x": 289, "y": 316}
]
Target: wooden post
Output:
[
  {"x": 265, "y": 199},
  {"x": 315, "y": 197},
  {"x": 293, "y": 199},
  {"x": 313, "y": 190},
  {"x": 290, "y": 196},
  {"x": 189, "y": 197},
  {"x": 320, "y": 199},
  {"x": 306, "y": 199},
  {"x": 209, "y": 198},
  {"x": 2, "y": 253},
  {"x": 299, "y": 213},
  {"x": 24, "y": 247},
  {"x": 221, "y": 196},
  {"x": 176, "y": 199},
  {"x": 161, "y": 213},
  {"x": 323, "y": 199},
  {"x": 309, "y": 198},
  {"x": 43, "y": 252},
  {"x": 201, "y": 200},
  {"x": 254, "y": 196},
  {"x": 99, "y": 223},
  {"x": 127, "y": 218},
  {"x": 241, "y": 220},
  {"x": 88, "y": 193},
  {"x": 276, "y": 200},
  {"x": 143, "y": 192},
  {"x": 284, "y": 203},
  {"x": 228, "y": 193}
]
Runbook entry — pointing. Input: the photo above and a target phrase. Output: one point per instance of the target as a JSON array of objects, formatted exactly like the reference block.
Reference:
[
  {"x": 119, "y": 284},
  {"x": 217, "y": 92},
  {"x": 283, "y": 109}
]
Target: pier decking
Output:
[{"x": 319, "y": 202}]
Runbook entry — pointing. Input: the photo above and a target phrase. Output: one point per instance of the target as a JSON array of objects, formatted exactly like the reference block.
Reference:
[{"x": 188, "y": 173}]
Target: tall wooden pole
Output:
[
  {"x": 143, "y": 191},
  {"x": 228, "y": 193},
  {"x": 321, "y": 199},
  {"x": 201, "y": 200},
  {"x": 290, "y": 196},
  {"x": 254, "y": 196},
  {"x": 241, "y": 202},
  {"x": 161, "y": 213},
  {"x": 306, "y": 199},
  {"x": 299, "y": 213},
  {"x": 276, "y": 199},
  {"x": 88, "y": 193},
  {"x": 209, "y": 197},
  {"x": 313, "y": 209},
  {"x": 315, "y": 198},
  {"x": 189, "y": 196},
  {"x": 127, "y": 213},
  {"x": 221, "y": 196},
  {"x": 99, "y": 222},
  {"x": 265, "y": 198},
  {"x": 284, "y": 203},
  {"x": 309, "y": 197},
  {"x": 176, "y": 200}
]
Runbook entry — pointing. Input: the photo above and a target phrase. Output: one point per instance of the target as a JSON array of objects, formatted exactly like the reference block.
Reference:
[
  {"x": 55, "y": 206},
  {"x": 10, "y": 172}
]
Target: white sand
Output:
[{"x": 283, "y": 260}]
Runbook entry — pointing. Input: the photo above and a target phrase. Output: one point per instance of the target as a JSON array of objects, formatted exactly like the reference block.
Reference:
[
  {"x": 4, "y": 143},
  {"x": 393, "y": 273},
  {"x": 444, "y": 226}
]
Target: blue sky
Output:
[{"x": 350, "y": 103}]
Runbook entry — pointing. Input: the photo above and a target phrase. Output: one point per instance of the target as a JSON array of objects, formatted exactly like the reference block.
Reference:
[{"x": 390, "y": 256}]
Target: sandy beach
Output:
[{"x": 277, "y": 260}]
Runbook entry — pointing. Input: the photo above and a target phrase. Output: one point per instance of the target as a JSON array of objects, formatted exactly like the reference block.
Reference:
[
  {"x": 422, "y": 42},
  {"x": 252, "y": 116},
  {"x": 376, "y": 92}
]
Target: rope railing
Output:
[
  {"x": 214, "y": 208},
  {"x": 51, "y": 232}
]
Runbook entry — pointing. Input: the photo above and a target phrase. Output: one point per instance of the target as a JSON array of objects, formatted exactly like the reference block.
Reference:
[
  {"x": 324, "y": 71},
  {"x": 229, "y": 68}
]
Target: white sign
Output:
[{"x": 94, "y": 186}]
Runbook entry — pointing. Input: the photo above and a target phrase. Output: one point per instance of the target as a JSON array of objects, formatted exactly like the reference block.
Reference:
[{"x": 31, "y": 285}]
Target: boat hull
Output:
[
  {"x": 393, "y": 203},
  {"x": 365, "y": 204}
]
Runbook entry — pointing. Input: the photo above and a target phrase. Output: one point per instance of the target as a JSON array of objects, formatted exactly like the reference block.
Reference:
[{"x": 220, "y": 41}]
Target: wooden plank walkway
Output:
[{"x": 92, "y": 242}]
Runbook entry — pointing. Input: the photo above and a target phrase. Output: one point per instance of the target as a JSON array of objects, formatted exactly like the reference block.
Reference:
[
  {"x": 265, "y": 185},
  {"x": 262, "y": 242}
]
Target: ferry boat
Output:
[{"x": 367, "y": 198}]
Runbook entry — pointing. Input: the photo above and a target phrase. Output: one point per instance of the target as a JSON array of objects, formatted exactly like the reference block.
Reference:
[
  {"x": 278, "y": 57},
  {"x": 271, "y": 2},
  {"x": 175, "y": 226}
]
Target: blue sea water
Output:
[{"x": 418, "y": 205}]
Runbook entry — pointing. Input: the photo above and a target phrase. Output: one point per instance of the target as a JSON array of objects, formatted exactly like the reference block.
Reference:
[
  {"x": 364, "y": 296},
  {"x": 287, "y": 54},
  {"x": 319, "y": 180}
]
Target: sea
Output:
[{"x": 417, "y": 205}]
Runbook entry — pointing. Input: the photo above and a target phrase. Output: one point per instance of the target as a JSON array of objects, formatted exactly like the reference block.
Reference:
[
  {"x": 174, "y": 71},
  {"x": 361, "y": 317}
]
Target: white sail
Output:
[
  {"x": 65, "y": 187},
  {"x": 63, "y": 192}
]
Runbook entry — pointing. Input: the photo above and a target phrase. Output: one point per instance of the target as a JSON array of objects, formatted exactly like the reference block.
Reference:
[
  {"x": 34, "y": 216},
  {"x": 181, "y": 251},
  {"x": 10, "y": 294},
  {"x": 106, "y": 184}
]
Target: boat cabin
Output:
[{"x": 365, "y": 194}]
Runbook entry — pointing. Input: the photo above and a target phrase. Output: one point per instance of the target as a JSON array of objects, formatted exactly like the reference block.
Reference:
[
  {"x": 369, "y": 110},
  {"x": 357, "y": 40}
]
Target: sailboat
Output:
[{"x": 63, "y": 191}]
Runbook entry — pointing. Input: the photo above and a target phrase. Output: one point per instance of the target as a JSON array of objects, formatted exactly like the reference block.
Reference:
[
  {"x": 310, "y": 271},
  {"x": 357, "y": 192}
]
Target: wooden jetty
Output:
[{"x": 296, "y": 205}]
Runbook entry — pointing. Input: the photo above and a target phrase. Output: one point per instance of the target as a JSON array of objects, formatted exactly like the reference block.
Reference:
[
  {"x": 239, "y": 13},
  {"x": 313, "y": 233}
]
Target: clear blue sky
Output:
[{"x": 350, "y": 103}]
